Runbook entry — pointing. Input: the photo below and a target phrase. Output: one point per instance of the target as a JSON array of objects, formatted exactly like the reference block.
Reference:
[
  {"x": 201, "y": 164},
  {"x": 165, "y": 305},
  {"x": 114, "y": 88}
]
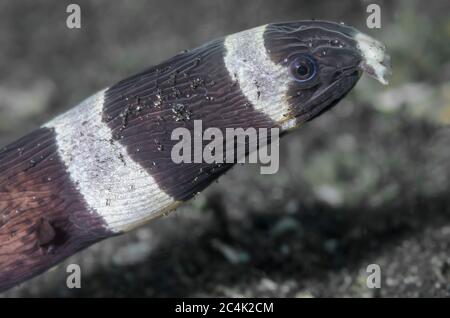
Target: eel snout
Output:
[{"x": 375, "y": 61}]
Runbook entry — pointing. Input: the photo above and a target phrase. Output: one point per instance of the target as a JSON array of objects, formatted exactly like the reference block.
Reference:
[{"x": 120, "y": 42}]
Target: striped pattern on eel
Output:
[{"x": 104, "y": 167}]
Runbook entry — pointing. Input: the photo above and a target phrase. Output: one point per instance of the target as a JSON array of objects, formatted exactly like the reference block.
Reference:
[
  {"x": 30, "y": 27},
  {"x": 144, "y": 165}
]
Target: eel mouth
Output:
[{"x": 375, "y": 61}]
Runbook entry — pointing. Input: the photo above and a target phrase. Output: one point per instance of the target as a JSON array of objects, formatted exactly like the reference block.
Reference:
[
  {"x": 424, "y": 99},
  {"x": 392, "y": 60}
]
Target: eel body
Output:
[{"x": 104, "y": 167}]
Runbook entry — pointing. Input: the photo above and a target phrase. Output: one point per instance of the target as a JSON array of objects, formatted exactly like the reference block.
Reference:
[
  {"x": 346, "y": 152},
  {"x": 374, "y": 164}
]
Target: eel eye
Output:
[{"x": 303, "y": 68}]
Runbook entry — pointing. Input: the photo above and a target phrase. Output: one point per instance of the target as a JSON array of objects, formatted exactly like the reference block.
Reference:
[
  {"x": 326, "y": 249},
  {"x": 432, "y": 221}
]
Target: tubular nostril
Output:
[{"x": 375, "y": 60}]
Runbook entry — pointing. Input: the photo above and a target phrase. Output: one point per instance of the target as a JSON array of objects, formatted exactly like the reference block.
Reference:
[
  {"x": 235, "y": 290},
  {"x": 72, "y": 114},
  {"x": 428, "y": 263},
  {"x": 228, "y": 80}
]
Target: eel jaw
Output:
[{"x": 376, "y": 62}]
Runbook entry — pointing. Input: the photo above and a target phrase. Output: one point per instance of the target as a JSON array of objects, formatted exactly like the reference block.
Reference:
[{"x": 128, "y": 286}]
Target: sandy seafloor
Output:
[{"x": 366, "y": 183}]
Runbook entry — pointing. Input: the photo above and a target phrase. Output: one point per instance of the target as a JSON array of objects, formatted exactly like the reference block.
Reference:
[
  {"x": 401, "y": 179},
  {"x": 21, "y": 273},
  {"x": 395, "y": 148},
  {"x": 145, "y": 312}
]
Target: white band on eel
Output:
[
  {"x": 264, "y": 83},
  {"x": 112, "y": 184}
]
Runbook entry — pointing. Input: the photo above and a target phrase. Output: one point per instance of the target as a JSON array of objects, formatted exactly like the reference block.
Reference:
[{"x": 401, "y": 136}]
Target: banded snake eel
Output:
[{"x": 104, "y": 167}]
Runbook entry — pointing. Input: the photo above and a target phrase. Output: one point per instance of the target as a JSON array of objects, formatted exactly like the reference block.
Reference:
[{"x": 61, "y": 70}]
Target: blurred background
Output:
[{"x": 366, "y": 183}]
